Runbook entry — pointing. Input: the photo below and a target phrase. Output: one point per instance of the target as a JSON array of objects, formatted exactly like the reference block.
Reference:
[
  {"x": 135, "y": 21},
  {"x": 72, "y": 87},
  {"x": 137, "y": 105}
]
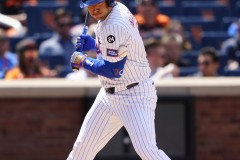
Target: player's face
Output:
[{"x": 99, "y": 11}]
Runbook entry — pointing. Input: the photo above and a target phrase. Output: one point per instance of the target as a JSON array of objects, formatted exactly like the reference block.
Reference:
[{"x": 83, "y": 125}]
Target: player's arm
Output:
[
  {"x": 100, "y": 67},
  {"x": 114, "y": 52}
]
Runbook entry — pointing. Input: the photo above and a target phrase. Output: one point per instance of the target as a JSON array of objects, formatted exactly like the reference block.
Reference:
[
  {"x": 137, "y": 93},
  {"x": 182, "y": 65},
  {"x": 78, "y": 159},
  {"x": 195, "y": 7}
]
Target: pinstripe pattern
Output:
[
  {"x": 118, "y": 24},
  {"x": 99, "y": 126},
  {"x": 133, "y": 108},
  {"x": 136, "y": 109}
]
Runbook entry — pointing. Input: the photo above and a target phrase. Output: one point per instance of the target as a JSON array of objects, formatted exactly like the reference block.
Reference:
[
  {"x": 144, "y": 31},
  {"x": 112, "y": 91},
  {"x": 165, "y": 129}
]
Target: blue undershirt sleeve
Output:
[{"x": 105, "y": 68}]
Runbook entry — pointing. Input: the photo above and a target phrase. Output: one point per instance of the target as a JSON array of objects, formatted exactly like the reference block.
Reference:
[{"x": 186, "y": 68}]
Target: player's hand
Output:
[
  {"x": 77, "y": 60},
  {"x": 86, "y": 43}
]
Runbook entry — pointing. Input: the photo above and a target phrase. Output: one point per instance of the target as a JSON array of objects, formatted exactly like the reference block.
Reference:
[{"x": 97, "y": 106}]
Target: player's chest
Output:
[{"x": 105, "y": 43}]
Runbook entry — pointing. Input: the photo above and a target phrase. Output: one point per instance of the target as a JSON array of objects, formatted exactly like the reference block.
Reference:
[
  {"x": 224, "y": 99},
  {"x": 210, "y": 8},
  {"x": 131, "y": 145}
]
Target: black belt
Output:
[{"x": 111, "y": 90}]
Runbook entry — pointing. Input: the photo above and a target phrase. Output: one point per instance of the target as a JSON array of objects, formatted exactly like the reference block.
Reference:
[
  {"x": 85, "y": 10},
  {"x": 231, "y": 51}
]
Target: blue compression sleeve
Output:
[{"x": 105, "y": 68}]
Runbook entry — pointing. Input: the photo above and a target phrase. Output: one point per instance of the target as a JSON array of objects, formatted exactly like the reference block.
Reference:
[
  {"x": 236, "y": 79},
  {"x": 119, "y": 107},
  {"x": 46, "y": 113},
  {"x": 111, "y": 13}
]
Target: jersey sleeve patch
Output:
[
  {"x": 111, "y": 39},
  {"x": 112, "y": 53}
]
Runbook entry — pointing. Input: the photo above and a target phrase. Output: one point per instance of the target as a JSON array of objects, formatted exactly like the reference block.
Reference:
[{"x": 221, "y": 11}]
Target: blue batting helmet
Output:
[{"x": 86, "y": 3}]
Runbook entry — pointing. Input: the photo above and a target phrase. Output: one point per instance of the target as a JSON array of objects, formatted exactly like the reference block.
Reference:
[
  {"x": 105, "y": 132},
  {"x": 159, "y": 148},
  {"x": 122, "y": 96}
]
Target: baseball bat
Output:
[
  {"x": 84, "y": 31},
  {"x": 85, "y": 26}
]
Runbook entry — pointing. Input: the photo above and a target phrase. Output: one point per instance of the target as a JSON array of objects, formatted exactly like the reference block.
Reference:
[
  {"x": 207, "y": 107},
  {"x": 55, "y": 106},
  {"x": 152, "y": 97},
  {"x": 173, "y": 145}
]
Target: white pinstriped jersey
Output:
[
  {"x": 132, "y": 108},
  {"x": 120, "y": 29}
]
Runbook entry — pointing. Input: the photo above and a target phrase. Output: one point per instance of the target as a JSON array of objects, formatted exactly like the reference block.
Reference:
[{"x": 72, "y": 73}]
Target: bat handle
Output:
[{"x": 85, "y": 29}]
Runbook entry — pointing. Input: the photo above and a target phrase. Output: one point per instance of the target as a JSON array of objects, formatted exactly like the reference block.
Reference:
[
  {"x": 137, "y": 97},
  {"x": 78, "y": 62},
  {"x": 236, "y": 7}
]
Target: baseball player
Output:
[{"x": 127, "y": 97}]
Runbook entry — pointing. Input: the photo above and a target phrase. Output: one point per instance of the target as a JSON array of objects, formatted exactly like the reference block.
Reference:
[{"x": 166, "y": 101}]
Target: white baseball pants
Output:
[{"x": 134, "y": 109}]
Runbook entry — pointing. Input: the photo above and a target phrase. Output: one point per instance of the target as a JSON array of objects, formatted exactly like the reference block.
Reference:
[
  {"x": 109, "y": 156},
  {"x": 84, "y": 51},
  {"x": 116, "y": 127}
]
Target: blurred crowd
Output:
[{"x": 171, "y": 52}]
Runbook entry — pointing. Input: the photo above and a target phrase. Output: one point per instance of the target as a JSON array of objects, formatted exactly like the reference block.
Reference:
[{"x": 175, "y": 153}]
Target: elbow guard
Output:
[{"x": 105, "y": 68}]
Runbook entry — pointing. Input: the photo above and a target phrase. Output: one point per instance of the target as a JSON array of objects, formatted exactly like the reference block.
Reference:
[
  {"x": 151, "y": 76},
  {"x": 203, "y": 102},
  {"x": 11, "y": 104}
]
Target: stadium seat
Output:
[
  {"x": 223, "y": 63},
  {"x": 232, "y": 73},
  {"x": 238, "y": 56},
  {"x": 232, "y": 3},
  {"x": 214, "y": 39},
  {"x": 191, "y": 56},
  {"x": 53, "y": 61},
  {"x": 65, "y": 71},
  {"x": 56, "y": 62},
  {"x": 205, "y": 24},
  {"x": 196, "y": 8},
  {"x": 187, "y": 71},
  {"x": 39, "y": 17},
  {"x": 236, "y": 8},
  {"x": 13, "y": 42},
  {"x": 226, "y": 21},
  {"x": 169, "y": 9},
  {"x": 131, "y": 5}
]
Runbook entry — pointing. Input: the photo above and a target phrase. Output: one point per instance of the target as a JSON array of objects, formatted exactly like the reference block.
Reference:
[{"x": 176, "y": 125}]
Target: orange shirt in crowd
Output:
[
  {"x": 16, "y": 73},
  {"x": 161, "y": 20}
]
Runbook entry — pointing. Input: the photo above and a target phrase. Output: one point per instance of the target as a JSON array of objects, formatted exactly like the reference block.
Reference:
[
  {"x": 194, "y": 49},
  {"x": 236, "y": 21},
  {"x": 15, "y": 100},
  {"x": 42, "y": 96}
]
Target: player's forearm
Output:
[{"x": 105, "y": 68}]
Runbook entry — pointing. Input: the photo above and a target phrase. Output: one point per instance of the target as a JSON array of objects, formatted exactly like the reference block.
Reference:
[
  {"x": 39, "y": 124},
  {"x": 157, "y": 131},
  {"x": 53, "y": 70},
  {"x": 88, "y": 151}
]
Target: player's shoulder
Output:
[
  {"x": 120, "y": 7},
  {"x": 120, "y": 17}
]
